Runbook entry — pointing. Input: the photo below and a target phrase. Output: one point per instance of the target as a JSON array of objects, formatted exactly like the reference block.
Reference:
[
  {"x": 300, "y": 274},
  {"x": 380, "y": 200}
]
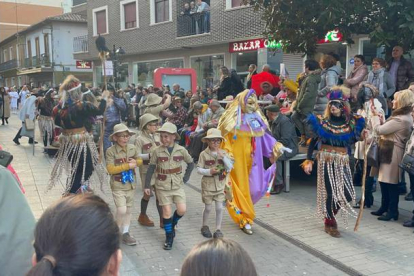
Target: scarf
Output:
[{"x": 376, "y": 77}]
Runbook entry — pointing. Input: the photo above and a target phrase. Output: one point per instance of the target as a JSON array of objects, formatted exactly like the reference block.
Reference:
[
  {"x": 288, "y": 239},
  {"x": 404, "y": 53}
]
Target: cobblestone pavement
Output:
[{"x": 287, "y": 239}]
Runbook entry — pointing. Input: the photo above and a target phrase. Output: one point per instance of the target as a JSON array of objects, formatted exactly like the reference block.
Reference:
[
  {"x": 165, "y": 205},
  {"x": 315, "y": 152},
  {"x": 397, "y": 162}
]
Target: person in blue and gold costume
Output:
[{"x": 334, "y": 133}]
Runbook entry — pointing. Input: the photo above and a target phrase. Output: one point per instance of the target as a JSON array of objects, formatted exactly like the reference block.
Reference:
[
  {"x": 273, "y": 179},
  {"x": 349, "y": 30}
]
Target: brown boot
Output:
[
  {"x": 145, "y": 220},
  {"x": 331, "y": 228}
]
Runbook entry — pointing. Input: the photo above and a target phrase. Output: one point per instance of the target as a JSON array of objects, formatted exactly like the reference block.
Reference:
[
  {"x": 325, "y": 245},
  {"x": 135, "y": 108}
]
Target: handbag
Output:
[
  {"x": 30, "y": 124},
  {"x": 407, "y": 163},
  {"x": 372, "y": 154},
  {"x": 5, "y": 158},
  {"x": 26, "y": 132}
]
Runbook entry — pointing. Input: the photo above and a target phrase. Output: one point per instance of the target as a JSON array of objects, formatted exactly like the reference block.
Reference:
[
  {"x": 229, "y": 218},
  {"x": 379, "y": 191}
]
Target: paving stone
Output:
[{"x": 378, "y": 248}]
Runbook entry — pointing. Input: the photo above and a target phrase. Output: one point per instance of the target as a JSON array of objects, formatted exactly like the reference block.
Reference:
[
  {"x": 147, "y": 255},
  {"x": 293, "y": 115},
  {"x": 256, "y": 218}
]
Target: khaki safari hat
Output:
[
  {"x": 153, "y": 99},
  {"x": 177, "y": 98},
  {"x": 169, "y": 128},
  {"x": 119, "y": 128},
  {"x": 146, "y": 119},
  {"x": 212, "y": 133}
]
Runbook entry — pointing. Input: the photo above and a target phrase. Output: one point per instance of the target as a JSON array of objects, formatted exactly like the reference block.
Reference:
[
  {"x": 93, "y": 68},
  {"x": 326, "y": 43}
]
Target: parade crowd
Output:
[{"x": 235, "y": 136}]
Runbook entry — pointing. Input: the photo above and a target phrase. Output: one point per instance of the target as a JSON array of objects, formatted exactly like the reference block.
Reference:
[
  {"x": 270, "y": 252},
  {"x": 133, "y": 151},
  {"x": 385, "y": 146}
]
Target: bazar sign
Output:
[
  {"x": 83, "y": 64},
  {"x": 253, "y": 45}
]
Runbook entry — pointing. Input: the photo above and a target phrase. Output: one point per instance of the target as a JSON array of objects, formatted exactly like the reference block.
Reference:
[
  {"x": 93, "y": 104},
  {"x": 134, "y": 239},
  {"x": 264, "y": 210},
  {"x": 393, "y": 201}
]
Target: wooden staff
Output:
[{"x": 364, "y": 175}]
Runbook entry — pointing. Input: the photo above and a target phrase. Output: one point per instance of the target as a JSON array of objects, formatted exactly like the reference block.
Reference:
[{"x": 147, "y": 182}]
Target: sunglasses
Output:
[
  {"x": 124, "y": 136},
  {"x": 215, "y": 140},
  {"x": 338, "y": 105}
]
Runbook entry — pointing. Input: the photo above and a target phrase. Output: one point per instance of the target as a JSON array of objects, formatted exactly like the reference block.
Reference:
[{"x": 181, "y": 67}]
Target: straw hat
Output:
[
  {"x": 119, "y": 128},
  {"x": 291, "y": 85},
  {"x": 169, "y": 128},
  {"x": 153, "y": 99},
  {"x": 212, "y": 133},
  {"x": 146, "y": 119}
]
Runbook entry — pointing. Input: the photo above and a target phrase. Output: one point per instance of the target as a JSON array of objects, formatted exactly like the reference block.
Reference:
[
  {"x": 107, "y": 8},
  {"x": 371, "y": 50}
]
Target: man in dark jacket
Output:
[
  {"x": 284, "y": 131},
  {"x": 400, "y": 69},
  {"x": 306, "y": 99}
]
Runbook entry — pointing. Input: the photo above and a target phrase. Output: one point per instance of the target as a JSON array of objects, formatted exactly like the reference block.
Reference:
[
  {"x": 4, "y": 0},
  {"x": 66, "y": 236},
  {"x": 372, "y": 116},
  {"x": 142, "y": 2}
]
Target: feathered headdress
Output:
[{"x": 339, "y": 93}]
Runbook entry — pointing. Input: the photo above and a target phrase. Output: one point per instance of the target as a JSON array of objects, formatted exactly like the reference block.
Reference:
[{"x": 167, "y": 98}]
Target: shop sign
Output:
[
  {"x": 83, "y": 64},
  {"x": 332, "y": 36},
  {"x": 253, "y": 45}
]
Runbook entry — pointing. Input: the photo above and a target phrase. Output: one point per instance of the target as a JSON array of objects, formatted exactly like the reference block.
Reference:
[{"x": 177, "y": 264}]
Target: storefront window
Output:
[
  {"x": 208, "y": 69},
  {"x": 144, "y": 71},
  {"x": 241, "y": 61},
  {"x": 123, "y": 76},
  {"x": 371, "y": 51}
]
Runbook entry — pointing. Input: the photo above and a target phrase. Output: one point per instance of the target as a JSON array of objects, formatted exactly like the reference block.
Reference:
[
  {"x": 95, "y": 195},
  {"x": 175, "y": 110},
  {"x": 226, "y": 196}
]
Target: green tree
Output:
[{"x": 299, "y": 24}]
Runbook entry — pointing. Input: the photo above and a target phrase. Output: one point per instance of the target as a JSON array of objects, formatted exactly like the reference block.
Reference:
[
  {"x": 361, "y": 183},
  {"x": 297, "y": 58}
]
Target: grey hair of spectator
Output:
[
  {"x": 198, "y": 106},
  {"x": 214, "y": 103},
  {"x": 265, "y": 67}
]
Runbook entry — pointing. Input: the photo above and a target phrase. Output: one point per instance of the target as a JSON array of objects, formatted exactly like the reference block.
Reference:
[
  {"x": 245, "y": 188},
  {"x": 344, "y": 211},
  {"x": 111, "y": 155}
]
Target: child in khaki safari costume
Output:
[
  {"x": 213, "y": 164},
  {"x": 121, "y": 160},
  {"x": 145, "y": 143},
  {"x": 166, "y": 161}
]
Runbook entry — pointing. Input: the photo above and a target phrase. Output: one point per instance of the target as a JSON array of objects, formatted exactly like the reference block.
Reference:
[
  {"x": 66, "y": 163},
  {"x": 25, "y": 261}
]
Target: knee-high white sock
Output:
[
  {"x": 206, "y": 213},
  {"x": 219, "y": 214},
  {"x": 127, "y": 220}
]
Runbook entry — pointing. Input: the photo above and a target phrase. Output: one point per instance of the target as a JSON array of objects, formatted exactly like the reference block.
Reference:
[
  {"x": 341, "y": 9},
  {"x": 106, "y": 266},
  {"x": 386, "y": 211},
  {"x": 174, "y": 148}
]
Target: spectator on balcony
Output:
[
  {"x": 186, "y": 10},
  {"x": 193, "y": 8},
  {"x": 204, "y": 23}
]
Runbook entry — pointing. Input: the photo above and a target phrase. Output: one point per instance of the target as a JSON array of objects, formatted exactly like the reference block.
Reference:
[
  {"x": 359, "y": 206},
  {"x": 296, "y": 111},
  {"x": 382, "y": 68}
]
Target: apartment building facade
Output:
[
  {"x": 17, "y": 15},
  {"x": 164, "y": 33},
  {"x": 42, "y": 54}
]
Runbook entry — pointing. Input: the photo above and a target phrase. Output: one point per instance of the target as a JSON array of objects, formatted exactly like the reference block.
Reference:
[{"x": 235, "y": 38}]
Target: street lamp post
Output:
[{"x": 115, "y": 55}]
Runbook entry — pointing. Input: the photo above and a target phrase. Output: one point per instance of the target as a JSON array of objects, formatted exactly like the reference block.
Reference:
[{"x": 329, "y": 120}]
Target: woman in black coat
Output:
[{"x": 225, "y": 88}]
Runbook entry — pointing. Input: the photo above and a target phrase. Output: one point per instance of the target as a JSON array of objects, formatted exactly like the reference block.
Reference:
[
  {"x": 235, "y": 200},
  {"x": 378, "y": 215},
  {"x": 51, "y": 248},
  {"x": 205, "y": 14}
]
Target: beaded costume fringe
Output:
[
  {"x": 46, "y": 125},
  {"x": 71, "y": 149},
  {"x": 339, "y": 173}
]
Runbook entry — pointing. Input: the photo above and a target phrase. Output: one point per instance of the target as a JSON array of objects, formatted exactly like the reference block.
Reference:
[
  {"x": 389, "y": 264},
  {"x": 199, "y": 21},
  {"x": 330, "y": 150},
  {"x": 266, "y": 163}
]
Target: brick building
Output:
[
  {"x": 155, "y": 34},
  {"x": 160, "y": 33}
]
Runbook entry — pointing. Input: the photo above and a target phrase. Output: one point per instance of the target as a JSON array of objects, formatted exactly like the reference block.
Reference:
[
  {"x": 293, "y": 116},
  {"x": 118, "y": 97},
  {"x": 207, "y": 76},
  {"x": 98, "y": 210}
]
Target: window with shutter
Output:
[
  {"x": 161, "y": 11},
  {"x": 130, "y": 12},
  {"x": 101, "y": 22},
  {"x": 238, "y": 3}
]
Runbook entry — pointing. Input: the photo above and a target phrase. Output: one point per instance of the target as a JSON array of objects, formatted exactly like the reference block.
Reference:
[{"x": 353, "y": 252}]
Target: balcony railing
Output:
[
  {"x": 192, "y": 24},
  {"x": 80, "y": 44},
  {"x": 8, "y": 65},
  {"x": 33, "y": 62}
]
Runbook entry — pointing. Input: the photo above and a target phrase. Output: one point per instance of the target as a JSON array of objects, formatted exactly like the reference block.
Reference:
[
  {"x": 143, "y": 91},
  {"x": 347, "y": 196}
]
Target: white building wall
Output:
[
  {"x": 32, "y": 37},
  {"x": 63, "y": 35}
]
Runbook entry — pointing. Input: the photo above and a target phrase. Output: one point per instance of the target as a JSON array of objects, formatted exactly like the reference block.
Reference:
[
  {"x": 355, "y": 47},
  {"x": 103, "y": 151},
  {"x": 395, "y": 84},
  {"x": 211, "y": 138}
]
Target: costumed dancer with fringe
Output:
[
  {"x": 247, "y": 139},
  {"x": 334, "y": 134},
  {"x": 77, "y": 154},
  {"x": 45, "y": 107}
]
